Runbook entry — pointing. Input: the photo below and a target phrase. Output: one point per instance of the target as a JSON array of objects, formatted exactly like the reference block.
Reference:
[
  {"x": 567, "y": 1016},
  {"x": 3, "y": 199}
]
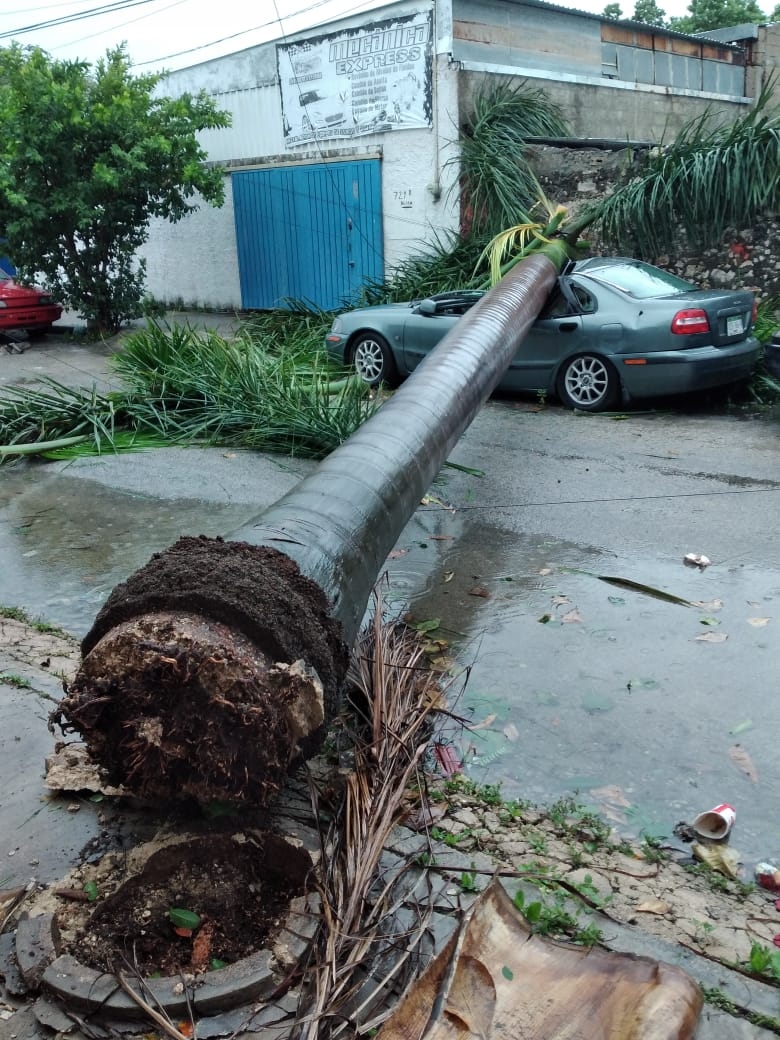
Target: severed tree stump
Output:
[{"x": 207, "y": 673}]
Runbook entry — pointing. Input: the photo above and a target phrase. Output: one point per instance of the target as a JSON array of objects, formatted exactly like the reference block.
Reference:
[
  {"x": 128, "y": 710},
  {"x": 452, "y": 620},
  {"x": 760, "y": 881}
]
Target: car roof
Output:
[
  {"x": 632, "y": 277},
  {"x": 594, "y": 263}
]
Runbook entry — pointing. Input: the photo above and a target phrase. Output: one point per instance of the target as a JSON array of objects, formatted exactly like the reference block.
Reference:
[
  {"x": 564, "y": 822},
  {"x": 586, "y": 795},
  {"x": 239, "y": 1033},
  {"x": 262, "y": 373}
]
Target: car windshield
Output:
[{"x": 642, "y": 281}]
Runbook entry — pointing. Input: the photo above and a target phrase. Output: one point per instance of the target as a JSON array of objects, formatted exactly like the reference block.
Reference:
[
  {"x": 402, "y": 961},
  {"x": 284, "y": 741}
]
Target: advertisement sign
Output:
[{"x": 367, "y": 80}]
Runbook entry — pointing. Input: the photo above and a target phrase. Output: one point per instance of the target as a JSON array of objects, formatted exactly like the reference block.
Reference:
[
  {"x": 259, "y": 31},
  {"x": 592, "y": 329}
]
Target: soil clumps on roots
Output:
[
  {"x": 186, "y": 689},
  {"x": 231, "y": 882}
]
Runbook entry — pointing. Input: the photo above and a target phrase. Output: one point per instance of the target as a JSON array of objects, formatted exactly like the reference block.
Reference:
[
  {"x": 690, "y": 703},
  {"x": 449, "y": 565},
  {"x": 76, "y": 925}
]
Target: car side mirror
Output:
[{"x": 428, "y": 308}]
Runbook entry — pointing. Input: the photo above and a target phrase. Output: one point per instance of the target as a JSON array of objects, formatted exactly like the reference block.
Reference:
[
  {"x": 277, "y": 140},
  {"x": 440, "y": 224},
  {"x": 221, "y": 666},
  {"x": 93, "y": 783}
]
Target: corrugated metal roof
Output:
[
  {"x": 662, "y": 31},
  {"x": 732, "y": 33}
]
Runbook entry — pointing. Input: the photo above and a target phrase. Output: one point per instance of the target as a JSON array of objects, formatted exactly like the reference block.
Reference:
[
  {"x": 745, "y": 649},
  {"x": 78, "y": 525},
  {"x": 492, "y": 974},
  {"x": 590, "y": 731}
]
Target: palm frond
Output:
[
  {"x": 53, "y": 411},
  {"x": 361, "y": 956},
  {"x": 448, "y": 260},
  {"x": 496, "y": 182},
  {"x": 766, "y": 323},
  {"x": 270, "y": 388},
  {"x": 711, "y": 177}
]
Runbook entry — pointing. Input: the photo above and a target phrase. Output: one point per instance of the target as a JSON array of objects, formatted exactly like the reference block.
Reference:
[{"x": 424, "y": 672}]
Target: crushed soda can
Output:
[{"x": 768, "y": 876}]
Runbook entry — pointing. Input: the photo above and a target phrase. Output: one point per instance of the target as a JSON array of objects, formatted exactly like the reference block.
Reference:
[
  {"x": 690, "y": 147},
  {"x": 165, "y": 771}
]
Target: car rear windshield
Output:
[{"x": 642, "y": 281}]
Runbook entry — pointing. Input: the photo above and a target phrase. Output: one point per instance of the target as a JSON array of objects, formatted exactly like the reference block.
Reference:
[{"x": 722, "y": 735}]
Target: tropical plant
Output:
[
  {"x": 710, "y": 177},
  {"x": 496, "y": 184},
  {"x": 766, "y": 318},
  {"x": 448, "y": 260},
  {"x": 87, "y": 158},
  {"x": 530, "y": 238},
  {"x": 249, "y": 392},
  {"x": 764, "y": 389},
  {"x": 266, "y": 389},
  {"x": 50, "y": 417}
]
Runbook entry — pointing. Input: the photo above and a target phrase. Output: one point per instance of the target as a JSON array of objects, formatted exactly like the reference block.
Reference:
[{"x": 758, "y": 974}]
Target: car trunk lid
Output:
[{"x": 729, "y": 314}]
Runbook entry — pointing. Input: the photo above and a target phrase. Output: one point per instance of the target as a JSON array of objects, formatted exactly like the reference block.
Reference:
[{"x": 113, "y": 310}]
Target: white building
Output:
[{"x": 342, "y": 154}]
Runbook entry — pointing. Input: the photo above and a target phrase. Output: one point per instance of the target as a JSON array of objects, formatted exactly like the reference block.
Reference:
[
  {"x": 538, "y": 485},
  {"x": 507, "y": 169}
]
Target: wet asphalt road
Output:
[
  {"x": 649, "y": 710},
  {"x": 613, "y": 696}
]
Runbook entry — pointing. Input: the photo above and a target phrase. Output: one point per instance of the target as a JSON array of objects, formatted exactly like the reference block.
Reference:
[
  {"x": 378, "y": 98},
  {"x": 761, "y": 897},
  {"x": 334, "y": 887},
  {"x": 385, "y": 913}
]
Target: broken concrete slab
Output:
[{"x": 37, "y": 945}]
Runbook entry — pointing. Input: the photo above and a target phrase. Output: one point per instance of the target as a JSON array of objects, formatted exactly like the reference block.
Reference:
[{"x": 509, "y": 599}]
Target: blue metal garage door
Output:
[{"x": 309, "y": 233}]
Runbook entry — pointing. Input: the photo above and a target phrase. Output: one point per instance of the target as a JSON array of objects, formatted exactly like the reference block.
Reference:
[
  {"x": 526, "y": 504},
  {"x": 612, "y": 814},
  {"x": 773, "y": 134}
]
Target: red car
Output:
[{"x": 25, "y": 307}]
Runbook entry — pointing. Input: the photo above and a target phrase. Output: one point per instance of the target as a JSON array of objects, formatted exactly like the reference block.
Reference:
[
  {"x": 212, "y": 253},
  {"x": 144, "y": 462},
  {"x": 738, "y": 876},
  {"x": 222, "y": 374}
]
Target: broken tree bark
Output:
[{"x": 217, "y": 665}]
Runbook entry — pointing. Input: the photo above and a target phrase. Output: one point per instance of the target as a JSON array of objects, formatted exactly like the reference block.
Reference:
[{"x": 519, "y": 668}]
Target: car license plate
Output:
[{"x": 734, "y": 326}]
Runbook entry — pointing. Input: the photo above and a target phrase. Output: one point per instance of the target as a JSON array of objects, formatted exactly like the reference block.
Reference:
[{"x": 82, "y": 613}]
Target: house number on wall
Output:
[{"x": 404, "y": 196}]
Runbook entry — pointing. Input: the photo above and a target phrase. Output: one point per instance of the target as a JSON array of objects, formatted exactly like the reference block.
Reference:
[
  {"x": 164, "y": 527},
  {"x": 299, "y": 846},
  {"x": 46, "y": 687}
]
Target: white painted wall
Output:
[
  {"x": 194, "y": 263},
  {"x": 418, "y": 174}
]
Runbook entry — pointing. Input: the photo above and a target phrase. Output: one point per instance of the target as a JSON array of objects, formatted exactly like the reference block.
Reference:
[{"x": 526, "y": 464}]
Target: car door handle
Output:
[{"x": 568, "y": 326}]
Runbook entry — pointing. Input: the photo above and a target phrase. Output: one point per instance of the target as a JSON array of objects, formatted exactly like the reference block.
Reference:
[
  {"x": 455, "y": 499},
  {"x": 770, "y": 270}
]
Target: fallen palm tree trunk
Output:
[{"x": 215, "y": 666}]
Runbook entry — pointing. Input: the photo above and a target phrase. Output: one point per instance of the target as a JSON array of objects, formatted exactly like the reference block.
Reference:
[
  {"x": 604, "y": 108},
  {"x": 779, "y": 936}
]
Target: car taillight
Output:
[{"x": 684, "y": 323}]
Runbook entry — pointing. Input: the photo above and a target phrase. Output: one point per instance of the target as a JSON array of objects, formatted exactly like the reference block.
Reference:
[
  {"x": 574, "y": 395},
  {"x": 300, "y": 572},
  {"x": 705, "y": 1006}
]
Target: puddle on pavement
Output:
[
  {"x": 619, "y": 703},
  {"x": 614, "y": 698},
  {"x": 65, "y": 542}
]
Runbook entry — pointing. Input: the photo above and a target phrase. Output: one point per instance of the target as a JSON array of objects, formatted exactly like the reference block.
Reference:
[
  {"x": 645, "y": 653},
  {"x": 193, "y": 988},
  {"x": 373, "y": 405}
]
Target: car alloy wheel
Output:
[
  {"x": 373, "y": 360},
  {"x": 588, "y": 382}
]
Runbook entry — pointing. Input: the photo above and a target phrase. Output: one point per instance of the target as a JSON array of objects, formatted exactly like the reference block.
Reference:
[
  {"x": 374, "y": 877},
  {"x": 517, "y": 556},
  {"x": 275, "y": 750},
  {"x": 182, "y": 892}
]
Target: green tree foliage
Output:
[
  {"x": 717, "y": 14},
  {"x": 703, "y": 14},
  {"x": 87, "y": 159},
  {"x": 649, "y": 13}
]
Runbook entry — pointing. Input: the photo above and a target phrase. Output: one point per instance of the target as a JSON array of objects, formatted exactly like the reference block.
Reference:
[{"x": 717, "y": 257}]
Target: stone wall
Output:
[{"x": 745, "y": 258}]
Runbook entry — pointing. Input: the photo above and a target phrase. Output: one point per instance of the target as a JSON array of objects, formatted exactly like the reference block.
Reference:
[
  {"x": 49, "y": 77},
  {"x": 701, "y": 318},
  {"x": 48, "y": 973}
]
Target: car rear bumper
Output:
[
  {"x": 29, "y": 317},
  {"x": 682, "y": 371}
]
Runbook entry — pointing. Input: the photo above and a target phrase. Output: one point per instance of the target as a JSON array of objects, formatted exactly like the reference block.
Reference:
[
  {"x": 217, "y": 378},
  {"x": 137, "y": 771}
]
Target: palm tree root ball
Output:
[{"x": 207, "y": 675}]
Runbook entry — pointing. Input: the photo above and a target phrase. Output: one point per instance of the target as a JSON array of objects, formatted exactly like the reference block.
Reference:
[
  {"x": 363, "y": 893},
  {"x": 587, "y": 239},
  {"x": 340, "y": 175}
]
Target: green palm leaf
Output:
[
  {"x": 497, "y": 187},
  {"x": 709, "y": 178},
  {"x": 272, "y": 387}
]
